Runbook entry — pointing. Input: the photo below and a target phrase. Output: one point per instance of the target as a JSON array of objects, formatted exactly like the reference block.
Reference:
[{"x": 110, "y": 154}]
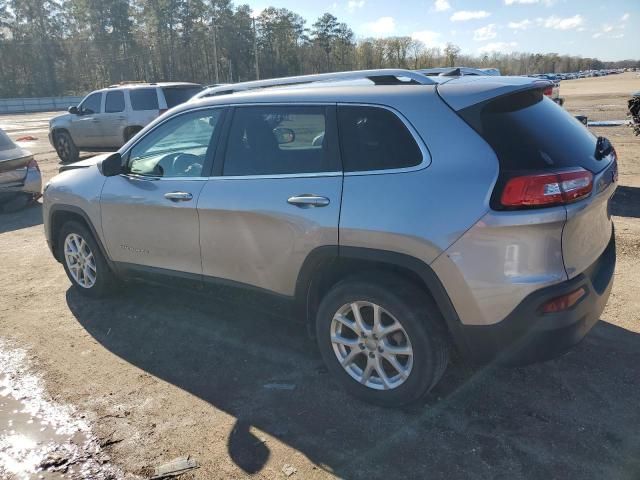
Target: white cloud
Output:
[
  {"x": 558, "y": 23},
  {"x": 612, "y": 31},
  {"x": 441, "y": 5},
  {"x": 503, "y": 47},
  {"x": 464, "y": 15},
  {"x": 485, "y": 33},
  {"x": 428, "y": 37},
  {"x": 382, "y": 26},
  {"x": 521, "y": 25},
  {"x": 353, "y": 5}
]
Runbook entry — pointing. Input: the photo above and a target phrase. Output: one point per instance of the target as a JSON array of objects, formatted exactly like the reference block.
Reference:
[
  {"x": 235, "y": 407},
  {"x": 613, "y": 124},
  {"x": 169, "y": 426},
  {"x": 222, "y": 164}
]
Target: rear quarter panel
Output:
[{"x": 420, "y": 213}]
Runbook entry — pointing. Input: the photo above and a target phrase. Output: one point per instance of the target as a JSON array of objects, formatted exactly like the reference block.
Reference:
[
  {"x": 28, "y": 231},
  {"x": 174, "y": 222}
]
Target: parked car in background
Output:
[
  {"x": 459, "y": 71},
  {"x": 106, "y": 119},
  {"x": 553, "y": 90},
  {"x": 376, "y": 223},
  {"x": 20, "y": 179}
]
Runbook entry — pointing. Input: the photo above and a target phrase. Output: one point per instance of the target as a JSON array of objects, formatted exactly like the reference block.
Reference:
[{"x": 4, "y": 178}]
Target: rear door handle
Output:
[
  {"x": 178, "y": 196},
  {"x": 308, "y": 201}
]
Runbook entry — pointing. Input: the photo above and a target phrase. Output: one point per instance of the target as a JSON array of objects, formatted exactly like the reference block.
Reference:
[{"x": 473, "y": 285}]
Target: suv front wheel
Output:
[
  {"x": 384, "y": 342},
  {"x": 83, "y": 261},
  {"x": 65, "y": 147}
]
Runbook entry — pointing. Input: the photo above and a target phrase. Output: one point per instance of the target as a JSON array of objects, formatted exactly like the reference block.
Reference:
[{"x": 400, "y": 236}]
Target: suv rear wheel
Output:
[
  {"x": 66, "y": 148},
  {"x": 83, "y": 261},
  {"x": 384, "y": 342}
]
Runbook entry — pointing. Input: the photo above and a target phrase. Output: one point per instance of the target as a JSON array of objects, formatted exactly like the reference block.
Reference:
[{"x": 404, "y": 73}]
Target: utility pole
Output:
[
  {"x": 215, "y": 51},
  {"x": 255, "y": 49}
]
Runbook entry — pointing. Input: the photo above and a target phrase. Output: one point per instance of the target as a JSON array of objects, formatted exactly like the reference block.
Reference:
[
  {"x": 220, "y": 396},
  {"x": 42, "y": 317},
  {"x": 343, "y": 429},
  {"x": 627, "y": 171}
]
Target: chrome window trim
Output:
[
  {"x": 426, "y": 155},
  {"x": 277, "y": 176},
  {"x": 150, "y": 178}
]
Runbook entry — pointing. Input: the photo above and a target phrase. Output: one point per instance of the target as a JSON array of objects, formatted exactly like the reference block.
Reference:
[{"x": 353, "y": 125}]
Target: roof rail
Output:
[{"x": 385, "y": 76}]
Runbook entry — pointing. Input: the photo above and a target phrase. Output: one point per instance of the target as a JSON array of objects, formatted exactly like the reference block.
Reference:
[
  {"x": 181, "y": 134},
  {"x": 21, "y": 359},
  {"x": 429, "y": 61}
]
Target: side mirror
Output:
[
  {"x": 284, "y": 135},
  {"x": 73, "y": 110},
  {"x": 112, "y": 165}
]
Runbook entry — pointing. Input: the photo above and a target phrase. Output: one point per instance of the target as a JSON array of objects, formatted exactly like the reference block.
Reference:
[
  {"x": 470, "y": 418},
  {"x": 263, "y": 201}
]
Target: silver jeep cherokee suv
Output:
[{"x": 402, "y": 215}]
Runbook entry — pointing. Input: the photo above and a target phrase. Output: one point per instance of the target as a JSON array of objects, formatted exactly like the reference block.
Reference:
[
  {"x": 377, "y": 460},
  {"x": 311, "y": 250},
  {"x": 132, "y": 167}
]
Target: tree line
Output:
[{"x": 56, "y": 47}]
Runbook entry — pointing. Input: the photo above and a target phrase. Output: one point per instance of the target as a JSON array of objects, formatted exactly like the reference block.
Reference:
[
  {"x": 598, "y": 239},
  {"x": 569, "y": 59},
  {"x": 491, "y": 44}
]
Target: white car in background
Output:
[{"x": 107, "y": 119}]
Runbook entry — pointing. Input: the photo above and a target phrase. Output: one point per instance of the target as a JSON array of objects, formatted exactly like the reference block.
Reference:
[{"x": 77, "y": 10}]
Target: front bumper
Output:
[{"x": 528, "y": 336}]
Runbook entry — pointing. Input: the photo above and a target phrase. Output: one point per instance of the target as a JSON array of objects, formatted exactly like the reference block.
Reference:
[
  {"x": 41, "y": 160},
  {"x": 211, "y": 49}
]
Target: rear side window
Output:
[
  {"x": 177, "y": 95},
  {"x": 114, "y": 102},
  {"x": 530, "y": 132},
  {"x": 144, "y": 99},
  {"x": 280, "y": 140},
  {"x": 374, "y": 138}
]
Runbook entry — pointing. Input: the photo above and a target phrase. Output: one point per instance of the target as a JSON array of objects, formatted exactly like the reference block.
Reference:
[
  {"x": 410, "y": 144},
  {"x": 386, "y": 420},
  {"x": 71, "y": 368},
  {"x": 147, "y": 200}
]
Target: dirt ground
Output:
[{"x": 169, "y": 374}]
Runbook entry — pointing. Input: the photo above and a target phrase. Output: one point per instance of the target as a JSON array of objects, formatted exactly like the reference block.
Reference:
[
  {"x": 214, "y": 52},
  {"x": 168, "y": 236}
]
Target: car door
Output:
[
  {"x": 149, "y": 216},
  {"x": 275, "y": 196},
  {"x": 113, "y": 121},
  {"x": 84, "y": 127}
]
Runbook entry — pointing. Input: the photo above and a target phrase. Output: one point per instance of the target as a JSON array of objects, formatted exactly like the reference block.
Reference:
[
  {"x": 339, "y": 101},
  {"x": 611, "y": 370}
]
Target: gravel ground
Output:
[{"x": 171, "y": 374}]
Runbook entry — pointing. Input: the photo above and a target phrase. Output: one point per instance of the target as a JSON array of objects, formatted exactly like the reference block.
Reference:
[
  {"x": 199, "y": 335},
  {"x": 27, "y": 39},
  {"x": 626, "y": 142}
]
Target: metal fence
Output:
[{"x": 44, "y": 104}]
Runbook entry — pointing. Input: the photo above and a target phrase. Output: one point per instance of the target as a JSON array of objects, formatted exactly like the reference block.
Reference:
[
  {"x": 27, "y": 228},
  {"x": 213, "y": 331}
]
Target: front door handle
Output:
[
  {"x": 178, "y": 196},
  {"x": 308, "y": 201}
]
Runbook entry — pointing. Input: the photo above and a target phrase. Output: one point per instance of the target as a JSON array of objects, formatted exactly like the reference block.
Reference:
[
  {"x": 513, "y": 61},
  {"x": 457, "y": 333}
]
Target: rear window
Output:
[
  {"x": 374, "y": 138},
  {"x": 177, "y": 95},
  {"x": 144, "y": 99},
  {"x": 530, "y": 132}
]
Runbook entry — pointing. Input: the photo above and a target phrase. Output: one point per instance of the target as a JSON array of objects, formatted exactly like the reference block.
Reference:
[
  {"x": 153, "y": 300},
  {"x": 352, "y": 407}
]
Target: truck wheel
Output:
[
  {"x": 66, "y": 148},
  {"x": 384, "y": 342}
]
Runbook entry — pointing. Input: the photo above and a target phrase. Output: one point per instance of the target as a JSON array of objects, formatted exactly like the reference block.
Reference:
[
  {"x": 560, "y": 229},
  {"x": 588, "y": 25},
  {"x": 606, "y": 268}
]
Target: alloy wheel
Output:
[
  {"x": 63, "y": 146},
  {"x": 80, "y": 260},
  {"x": 371, "y": 345}
]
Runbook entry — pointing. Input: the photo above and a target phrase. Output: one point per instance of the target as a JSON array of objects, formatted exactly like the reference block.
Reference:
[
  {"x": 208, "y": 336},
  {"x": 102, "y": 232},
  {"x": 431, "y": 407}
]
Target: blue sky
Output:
[{"x": 607, "y": 29}]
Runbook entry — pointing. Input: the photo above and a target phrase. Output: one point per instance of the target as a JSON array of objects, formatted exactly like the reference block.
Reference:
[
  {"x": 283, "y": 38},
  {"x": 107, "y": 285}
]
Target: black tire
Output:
[
  {"x": 418, "y": 316},
  {"x": 105, "y": 280},
  {"x": 65, "y": 147}
]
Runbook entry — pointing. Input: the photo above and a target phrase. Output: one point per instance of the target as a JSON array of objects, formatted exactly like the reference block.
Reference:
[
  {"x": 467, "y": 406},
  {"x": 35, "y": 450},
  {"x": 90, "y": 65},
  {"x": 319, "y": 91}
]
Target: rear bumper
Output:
[
  {"x": 527, "y": 335},
  {"x": 31, "y": 184}
]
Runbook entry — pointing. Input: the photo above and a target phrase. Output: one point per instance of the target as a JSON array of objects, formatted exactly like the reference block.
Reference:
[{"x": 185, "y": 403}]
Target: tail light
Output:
[
  {"x": 548, "y": 91},
  {"x": 33, "y": 165},
  {"x": 547, "y": 189}
]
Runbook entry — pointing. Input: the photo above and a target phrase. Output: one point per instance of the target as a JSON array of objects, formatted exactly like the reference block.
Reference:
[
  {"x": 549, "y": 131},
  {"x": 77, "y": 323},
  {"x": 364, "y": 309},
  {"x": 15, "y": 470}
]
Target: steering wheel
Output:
[
  {"x": 179, "y": 164},
  {"x": 185, "y": 164}
]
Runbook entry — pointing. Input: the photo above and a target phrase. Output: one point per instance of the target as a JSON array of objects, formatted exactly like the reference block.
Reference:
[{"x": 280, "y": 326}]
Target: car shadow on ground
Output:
[
  {"x": 575, "y": 417},
  {"x": 626, "y": 202},
  {"x": 29, "y": 216}
]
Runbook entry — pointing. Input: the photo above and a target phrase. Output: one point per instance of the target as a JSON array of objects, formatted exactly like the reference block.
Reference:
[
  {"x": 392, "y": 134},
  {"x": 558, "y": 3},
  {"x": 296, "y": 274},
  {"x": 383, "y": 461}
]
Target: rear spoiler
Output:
[{"x": 463, "y": 92}]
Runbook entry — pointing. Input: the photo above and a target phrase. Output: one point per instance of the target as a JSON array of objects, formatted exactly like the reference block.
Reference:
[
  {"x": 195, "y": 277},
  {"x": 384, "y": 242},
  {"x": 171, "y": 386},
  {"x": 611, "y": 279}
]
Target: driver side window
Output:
[
  {"x": 91, "y": 104},
  {"x": 177, "y": 148}
]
